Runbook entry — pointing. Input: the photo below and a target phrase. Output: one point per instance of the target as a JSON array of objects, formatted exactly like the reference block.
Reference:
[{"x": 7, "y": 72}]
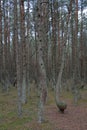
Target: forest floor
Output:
[{"x": 74, "y": 117}]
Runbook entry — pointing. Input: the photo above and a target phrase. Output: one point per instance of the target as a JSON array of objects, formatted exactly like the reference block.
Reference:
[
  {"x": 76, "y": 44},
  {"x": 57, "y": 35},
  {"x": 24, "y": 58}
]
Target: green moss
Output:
[
  {"x": 15, "y": 123},
  {"x": 11, "y": 114},
  {"x": 67, "y": 95},
  {"x": 1, "y": 116}
]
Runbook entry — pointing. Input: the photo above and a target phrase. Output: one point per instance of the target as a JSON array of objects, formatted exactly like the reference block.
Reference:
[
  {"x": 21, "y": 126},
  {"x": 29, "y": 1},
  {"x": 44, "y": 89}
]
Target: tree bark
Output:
[
  {"x": 23, "y": 42},
  {"x": 58, "y": 84},
  {"x": 18, "y": 71},
  {"x": 41, "y": 65}
]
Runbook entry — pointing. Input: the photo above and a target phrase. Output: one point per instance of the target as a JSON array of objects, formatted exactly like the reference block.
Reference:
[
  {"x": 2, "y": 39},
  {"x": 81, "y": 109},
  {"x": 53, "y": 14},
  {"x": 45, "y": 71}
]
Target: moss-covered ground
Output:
[{"x": 9, "y": 119}]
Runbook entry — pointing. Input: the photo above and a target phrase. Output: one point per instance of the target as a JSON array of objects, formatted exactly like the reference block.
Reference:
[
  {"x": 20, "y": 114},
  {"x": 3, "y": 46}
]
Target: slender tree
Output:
[
  {"x": 18, "y": 71},
  {"x": 59, "y": 79},
  {"x": 1, "y": 45},
  {"x": 23, "y": 44},
  {"x": 42, "y": 71}
]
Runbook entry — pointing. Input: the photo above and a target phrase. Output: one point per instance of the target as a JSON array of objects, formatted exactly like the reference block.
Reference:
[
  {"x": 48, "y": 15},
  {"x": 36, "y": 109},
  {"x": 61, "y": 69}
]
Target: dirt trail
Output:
[{"x": 74, "y": 118}]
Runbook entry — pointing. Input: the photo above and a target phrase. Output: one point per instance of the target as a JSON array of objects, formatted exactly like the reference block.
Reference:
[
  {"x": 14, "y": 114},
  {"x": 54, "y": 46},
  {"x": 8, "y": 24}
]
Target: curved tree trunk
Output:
[{"x": 58, "y": 84}]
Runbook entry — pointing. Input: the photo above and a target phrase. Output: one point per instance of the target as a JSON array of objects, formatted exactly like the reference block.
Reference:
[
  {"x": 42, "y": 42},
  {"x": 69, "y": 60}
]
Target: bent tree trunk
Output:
[{"x": 58, "y": 84}]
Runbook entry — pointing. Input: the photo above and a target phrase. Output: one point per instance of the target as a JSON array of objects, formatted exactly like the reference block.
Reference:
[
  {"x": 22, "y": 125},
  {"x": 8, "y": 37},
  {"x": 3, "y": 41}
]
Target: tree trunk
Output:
[
  {"x": 58, "y": 84},
  {"x": 1, "y": 46},
  {"x": 41, "y": 65},
  {"x": 23, "y": 42},
  {"x": 18, "y": 71}
]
